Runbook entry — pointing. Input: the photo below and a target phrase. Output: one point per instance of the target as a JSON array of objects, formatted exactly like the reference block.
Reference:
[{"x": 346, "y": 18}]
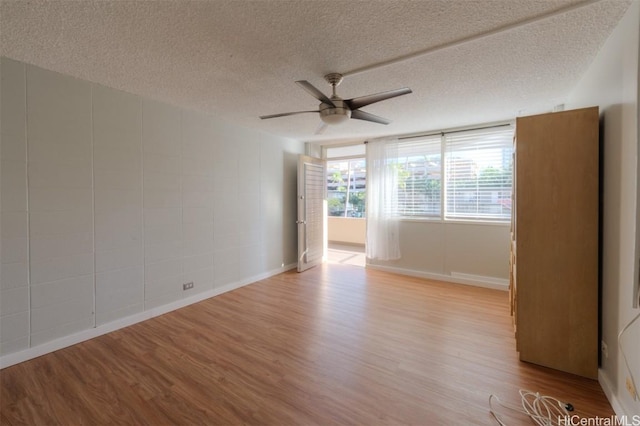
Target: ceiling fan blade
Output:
[
  {"x": 315, "y": 92},
  {"x": 321, "y": 128},
  {"x": 284, "y": 114},
  {"x": 361, "y": 115},
  {"x": 356, "y": 103}
]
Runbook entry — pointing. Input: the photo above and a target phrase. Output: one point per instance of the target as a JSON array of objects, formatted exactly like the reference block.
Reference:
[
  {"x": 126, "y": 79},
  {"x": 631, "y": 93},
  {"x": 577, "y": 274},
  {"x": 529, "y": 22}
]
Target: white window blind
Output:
[
  {"x": 460, "y": 176},
  {"x": 357, "y": 150},
  {"x": 419, "y": 177},
  {"x": 478, "y": 174}
]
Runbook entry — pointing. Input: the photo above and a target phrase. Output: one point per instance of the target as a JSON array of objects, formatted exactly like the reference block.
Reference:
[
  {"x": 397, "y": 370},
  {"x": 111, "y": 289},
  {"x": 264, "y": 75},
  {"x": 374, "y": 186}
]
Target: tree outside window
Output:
[{"x": 346, "y": 187}]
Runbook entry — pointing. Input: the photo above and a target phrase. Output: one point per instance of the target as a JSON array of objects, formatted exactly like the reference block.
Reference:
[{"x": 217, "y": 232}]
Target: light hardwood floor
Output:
[{"x": 337, "y": 344}]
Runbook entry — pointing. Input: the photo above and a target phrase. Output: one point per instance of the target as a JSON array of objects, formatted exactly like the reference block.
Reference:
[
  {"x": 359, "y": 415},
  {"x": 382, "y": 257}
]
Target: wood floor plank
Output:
[{"x": 336, "y": 344}]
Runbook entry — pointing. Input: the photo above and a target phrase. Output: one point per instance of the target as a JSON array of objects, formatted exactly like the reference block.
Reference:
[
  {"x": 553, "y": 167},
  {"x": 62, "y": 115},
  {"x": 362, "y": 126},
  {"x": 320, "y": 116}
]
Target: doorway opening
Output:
[{"x": 346, "y": 183}]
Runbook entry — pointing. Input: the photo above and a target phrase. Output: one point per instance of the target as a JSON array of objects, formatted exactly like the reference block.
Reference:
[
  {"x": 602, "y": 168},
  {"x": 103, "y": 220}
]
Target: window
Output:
[
  {"x": 478, "y": 170},
  {"x": 473, "y": 182},
  {"x": 346, "y": 180},
  {"x": 420, "y": 177},
  {"x": 346, "y": 187},
  {"x": 458, "y": 175}
]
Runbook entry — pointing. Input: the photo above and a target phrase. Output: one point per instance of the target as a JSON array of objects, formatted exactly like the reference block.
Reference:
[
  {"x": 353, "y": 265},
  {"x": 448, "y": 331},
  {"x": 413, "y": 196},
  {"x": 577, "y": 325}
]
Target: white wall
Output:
[
  {"x": 110, "y": 202},
  {"x": 611, "y": 82},
  {"x": 463, "y": 252}
]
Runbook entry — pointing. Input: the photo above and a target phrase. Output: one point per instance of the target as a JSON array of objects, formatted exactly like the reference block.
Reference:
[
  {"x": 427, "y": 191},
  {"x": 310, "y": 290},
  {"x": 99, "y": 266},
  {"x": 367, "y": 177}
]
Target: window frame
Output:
[
  {"x": 491, "y": 136},
  {"x": 444, "y": 217},
  {"x": 431, "y": 217}
]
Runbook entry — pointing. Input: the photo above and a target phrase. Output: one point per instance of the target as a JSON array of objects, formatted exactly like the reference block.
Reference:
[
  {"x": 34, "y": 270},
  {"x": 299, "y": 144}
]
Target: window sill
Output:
[{"x": 456, "y": 221}]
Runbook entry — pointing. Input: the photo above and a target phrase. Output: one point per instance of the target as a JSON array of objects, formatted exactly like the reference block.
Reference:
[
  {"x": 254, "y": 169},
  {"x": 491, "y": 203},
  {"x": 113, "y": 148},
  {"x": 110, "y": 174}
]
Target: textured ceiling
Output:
[{"x": 238, "y": 59}]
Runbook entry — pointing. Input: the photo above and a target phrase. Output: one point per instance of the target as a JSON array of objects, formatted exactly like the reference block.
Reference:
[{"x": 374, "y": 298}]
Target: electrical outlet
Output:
[
  {"x": 605, "y": 349},
  {"x": 187, "y": 286},
  {"x": 631, "y": 388}
]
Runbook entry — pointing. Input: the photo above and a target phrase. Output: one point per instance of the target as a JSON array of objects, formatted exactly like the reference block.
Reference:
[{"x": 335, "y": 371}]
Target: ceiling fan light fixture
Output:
[
  {"x": 334, "y": 115},
  {"x": 335, "y": 110}
]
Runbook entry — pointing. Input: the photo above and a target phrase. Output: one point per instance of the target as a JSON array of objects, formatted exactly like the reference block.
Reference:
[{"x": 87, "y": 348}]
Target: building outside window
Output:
[{"x": 346, "y": 187}]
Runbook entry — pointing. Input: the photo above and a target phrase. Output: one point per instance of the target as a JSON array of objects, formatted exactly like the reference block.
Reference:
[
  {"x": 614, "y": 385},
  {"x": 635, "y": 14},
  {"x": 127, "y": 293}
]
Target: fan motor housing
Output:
[{"x": 335, "y": 115}]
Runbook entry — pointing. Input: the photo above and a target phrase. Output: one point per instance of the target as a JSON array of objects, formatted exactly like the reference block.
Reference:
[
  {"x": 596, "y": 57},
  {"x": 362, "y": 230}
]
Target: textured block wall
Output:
[{"x": 111, "y": 202}]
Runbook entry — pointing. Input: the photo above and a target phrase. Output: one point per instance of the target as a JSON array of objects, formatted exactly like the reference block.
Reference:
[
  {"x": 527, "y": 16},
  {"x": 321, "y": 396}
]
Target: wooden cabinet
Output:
[{"x": 554, "y": 271}]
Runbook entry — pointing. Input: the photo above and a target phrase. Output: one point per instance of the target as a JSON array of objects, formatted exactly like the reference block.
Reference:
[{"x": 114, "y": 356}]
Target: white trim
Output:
[
  {"x": 63, "y": 342},
  {"x": 454, "y": 277},
  {"x": 447, "y": 221},
  {"x": 609, "y": 392}
]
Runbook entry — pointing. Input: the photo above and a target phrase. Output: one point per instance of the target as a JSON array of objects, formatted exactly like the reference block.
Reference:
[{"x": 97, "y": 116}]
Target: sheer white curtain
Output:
[{"x": 383, "y": 242}]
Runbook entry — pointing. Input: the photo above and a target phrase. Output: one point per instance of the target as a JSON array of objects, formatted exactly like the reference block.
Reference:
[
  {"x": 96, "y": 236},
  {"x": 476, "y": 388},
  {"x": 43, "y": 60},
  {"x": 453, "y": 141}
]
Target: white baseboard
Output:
[
  {"x": 609, "y": 392},
  {"x": 454, "y": 277},
  {"x": 63, "y": 342}
]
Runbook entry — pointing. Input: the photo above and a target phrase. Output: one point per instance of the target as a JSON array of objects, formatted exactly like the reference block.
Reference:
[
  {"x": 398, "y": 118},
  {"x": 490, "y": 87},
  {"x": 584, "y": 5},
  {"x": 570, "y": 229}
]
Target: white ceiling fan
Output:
[{"x": 335, "y": 110}]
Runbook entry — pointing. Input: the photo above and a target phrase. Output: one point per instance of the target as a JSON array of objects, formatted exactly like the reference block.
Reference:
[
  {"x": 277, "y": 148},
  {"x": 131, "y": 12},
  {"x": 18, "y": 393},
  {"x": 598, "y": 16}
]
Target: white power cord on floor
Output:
[
  {"x": 624, "y": 357},
  {"x": 549, "y": 411},
  {"x": 543, "y": 410}
]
